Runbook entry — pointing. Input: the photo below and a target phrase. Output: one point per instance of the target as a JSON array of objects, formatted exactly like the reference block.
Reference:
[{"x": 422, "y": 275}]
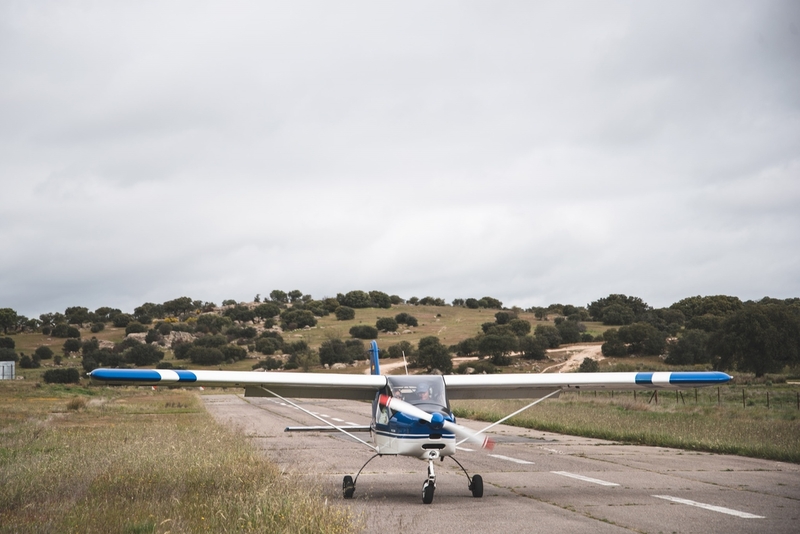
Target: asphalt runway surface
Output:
[{"x": 533, "y": 481}]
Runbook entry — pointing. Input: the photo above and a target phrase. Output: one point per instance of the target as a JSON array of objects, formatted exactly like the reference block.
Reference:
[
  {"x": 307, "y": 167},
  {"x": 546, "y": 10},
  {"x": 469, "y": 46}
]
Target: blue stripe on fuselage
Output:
[
  {"x": 186, "y": 376},
  {"x": 644, "y": 378},
  {"x": 704, "y": 378}
]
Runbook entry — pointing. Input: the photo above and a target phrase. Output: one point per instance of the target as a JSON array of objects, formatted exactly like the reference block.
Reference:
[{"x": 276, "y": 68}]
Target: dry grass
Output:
[
  {"x": 142, "y": 461},
  {"x": 754, "y": 430}
]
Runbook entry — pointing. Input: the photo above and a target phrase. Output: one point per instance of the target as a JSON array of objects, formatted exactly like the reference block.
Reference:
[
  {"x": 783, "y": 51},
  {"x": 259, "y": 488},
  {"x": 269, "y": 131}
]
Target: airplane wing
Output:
[
  {"x": 533, "y": 386},
  {"x": 255, "y": 384},
  {"x": 364, "y": 387}
]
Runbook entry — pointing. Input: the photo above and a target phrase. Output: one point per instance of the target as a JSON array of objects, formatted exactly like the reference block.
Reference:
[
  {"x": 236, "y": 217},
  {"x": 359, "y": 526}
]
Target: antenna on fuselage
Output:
[{"x": 405, "y": 362}]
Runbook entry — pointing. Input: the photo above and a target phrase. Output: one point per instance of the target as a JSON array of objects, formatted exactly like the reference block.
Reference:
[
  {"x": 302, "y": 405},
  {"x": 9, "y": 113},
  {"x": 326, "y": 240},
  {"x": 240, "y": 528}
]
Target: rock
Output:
[{"x": 339, "y": 366}]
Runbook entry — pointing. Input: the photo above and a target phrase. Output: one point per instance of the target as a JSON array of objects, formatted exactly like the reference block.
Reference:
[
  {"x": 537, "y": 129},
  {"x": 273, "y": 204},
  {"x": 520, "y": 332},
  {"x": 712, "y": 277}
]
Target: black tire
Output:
[
  {"x": 477, "y": 486},
  {"x": 427, "y": 493},
  {"x": 348, "y": 487}
]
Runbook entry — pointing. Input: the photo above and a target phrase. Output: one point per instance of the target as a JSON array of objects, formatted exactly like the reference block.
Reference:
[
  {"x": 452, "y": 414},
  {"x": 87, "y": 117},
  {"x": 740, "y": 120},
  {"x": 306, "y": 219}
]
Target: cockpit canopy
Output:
[{"x": 420, "y": 390}]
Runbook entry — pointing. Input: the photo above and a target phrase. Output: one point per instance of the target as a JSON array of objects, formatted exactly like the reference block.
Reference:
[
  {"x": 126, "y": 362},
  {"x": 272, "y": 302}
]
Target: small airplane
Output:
[{"x": 411, "y": 414}]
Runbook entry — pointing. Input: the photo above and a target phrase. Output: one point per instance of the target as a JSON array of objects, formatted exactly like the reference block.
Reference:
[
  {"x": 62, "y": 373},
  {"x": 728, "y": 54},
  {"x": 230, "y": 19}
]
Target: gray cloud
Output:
[{"x": 538, "y": 153}]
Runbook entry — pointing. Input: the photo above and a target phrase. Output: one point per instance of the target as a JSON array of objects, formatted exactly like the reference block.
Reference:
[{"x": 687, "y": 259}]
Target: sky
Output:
[{"x": 535, "y": 152}]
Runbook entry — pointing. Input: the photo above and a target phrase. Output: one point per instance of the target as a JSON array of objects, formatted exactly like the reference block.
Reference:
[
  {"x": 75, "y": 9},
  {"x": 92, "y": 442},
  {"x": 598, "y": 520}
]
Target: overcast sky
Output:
[{"x": 535, "y": 152}]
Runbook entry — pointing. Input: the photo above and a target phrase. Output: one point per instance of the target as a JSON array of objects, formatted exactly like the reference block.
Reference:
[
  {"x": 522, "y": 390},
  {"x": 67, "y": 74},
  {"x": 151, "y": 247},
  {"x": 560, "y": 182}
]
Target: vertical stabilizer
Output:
[{"x": 374, "y": 366}]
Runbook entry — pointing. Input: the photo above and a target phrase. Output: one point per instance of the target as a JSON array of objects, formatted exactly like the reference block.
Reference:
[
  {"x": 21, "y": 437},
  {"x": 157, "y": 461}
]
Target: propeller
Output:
[{"x": 436, "y": 419}]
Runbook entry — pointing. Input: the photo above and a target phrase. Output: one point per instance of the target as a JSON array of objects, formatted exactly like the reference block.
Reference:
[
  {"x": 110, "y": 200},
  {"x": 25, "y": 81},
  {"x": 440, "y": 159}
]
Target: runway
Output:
[{"x": 533, "y": 481}]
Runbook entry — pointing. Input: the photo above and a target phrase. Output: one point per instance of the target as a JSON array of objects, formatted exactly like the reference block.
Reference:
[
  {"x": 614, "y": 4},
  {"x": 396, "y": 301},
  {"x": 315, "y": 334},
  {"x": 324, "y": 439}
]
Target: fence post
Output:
[
  {"x": 743, "y": 405},
  {"x": 718, "y": 399},
  {"x": 767, "y": 399}
]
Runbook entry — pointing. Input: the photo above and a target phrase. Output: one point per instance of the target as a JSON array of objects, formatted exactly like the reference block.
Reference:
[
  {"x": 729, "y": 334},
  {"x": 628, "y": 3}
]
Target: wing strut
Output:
[
  {"x": 340, "y": 429},
  {"x": 537, "y": 401}
]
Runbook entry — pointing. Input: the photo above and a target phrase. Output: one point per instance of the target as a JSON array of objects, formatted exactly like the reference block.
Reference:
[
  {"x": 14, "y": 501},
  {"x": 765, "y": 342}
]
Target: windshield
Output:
[{"x": 419, "y": 390}]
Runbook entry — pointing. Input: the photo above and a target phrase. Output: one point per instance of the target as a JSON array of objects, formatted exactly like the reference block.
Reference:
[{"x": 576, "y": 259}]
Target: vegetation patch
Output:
[{"x": 102, "y": 468}]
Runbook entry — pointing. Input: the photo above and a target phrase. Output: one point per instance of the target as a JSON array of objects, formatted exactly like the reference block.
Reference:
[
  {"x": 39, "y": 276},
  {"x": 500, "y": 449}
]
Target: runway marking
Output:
[
  {"x": 465, "y": 449},
  {"x": 350, "y": 423},
  {"x": 515, "y": 460},
  {"x": 585, "y": 479},
  {"x": 552, "y": 450},
  {"x": 711, "y": 507},
  {"x": 337, "y": 419}
]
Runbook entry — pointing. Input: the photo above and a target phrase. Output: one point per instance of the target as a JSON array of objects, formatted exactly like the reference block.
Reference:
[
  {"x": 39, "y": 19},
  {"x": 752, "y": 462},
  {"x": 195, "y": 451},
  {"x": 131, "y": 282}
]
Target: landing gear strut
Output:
[
  {"x": 430, "y": 485},
  {"x": 475, "y": 481},
  {"x": 349, "y": 483}
]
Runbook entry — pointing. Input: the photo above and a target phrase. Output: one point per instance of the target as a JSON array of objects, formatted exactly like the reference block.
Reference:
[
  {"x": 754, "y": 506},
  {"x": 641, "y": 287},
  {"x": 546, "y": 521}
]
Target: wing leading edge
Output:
[{"x": 533, "y": 386}]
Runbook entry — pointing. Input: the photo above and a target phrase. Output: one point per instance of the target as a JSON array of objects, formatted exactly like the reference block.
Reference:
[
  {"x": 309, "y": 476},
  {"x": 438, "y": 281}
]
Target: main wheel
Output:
[
  {"x": 427, "y": 493},
  {"x": 477, "y": 486},
  {"x": 348, "y": 487}
]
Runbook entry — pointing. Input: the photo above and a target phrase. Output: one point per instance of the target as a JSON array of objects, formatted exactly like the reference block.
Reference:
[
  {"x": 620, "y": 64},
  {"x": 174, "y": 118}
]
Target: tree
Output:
[
  {"x": 503, "y": 317},
  {"x": 268, "y": 345},
  {"x": 618, "y": 309},
  {"x": 267, "y": 310},
  {"x": 8, "y": 355},
  {"x": 406, "y": 319},
  {"x": 178, "y": 306},
  {"x": 334, "y": 351},
  {"x": 550, "y": 334},
  {"x": 7, "y": 342},
  {"x": 689, "y": 349},
  {"x": 345, "y": 313},
  {"x": 761, "y": 338},
  {"x": 8, "y": 319},
  {"x": 279, "y": 296},
  {"x": 77, "y": 315},
  {"x": 142, "y": 355},
  {"x": 498, "y": 347},
  {"x": 240, "y": 313},
  {"x": 364, "y": 332},
  {"x": 71, "y": 345},
  {"x": 44, "y": 352},
  {"x": 588, "y": 365},
  {"x": 570, "y": 331},
  {"x": 135, "y": 327},
  {"x": 467, "y": 347},
  {"x": 293, "y": 319},
  {"x": 356, "y": 299},
  {"x": 68, "y": 375},
  {"x": 472, "y": 304},
  {"x": 643, "y": 338},
  {"x": 490, "y": 302},
  {"x": 399, "y": 349},
  {"x": 533, "y": 347},
  {"x": 386, "y": 324},
  {"x": 379, "y": 299},
  {"x": 520, "y": 327},
  {"x": 431, "y": 354},
  {"x": 295, "y": 295},
  {"x": 613, "y": 345},
  {"x": 205, "y": 356}
]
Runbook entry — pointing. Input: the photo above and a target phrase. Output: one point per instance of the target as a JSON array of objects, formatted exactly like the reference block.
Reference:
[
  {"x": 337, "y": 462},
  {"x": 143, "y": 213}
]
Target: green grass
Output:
[
  {"x": 754, "y": 430},
  {"x": 132, "y": 460}
]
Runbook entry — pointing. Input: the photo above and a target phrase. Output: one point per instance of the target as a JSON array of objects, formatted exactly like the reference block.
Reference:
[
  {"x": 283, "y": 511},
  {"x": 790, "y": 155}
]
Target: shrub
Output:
[
  {"x": 386, "y": 324},
  {"x": 135, "y": 327},
  {"x": 26, "y": 362},
  {"x": 7, "y": 342},
  {"x": 8, "y": 355},
  {"x": 64, "y": 330},
  {"x": 269, "y": 364},
  {"x": 334, "y": 351},
  {"x": 214, "y": 341},
  {"x": 364, "y": 332},
  {"x": 406, "y": 319},
  {"x": 44, "y": 352},
  {"x": 97, "y": 327},
  {"x": 68, "y": 375},
  {"x": 397, "y": 350},
  {"x": 72, "y": 345},
  {"x": 268, "y": 345},
  {"x": 122, "y": 320},
  {"x": 206, "y": 356},
  {"x": 143, "y": 355},
  {"x": 232, "y": 352},
  {"x": 588, "y": 365},
  {"x": 345, "y": 313}
]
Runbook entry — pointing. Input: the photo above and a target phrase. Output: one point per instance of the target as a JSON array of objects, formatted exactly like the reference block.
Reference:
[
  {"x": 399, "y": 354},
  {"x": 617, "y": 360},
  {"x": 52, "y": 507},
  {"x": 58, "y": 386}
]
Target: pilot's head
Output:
[{"x": 424, "y": 394}]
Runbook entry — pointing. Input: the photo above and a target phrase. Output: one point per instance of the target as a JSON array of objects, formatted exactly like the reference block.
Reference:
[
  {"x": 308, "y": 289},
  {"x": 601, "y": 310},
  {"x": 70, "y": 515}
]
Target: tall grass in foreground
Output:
[
  {"x": 754, "y": 431},
  {"x": 147, "y": 462}
]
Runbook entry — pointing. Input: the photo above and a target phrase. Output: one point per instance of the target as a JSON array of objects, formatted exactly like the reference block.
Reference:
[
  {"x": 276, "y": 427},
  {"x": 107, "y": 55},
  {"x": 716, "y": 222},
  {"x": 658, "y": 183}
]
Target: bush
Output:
[
  {"x": 69, "y": 375},
  {"x": 97, "y": 327},
  {"x": 8, "y": 355},
  {"x": 386, "y": 324},
  {"x": 268, "y": 345},
  {"x": 181, "y": 349},
  {"x": 334, "y": 351},
  {"x": 232, "y": 352},
  {"x": 72, "y": 345},
  {"x": 397, "y": 350},
  {"x": 206, "y": 356},
  {"x": 44, "y": 352},
  {"x": 122, "y": 320},
  {"x": 135, "y": 327},
  {"x": 142, "y": 355},
  {"x": 269, "y": 364},
  {"x": 214, "y": 341},
  {"x": 431, "y": 354},
  {"x": 26, "y": 362},
  {"x": 64, "y": 330},
  {"x": 7, "y": 343},
  {"x": 364, "y": 332},
  {"x": 588, "y": 365},
  {"x": 293, "y": 319},
  {"x": 479, "y": 367},
  {"x": 406, "y": 319},
  {"x": 345, "y": 313}
]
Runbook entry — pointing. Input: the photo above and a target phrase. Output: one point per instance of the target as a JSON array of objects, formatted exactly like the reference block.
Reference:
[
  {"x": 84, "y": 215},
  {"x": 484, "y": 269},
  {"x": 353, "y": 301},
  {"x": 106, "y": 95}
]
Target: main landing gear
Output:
[{"x": 428, "y": 487}]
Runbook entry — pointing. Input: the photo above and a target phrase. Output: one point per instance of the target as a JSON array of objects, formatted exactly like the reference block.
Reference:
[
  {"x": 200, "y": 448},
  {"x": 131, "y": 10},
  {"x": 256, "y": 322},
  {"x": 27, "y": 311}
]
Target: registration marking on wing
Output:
[
  {"x": 510, "y": 459},
  {"x": 713, "y": 508},
  {"x": 585, "y": 479}
]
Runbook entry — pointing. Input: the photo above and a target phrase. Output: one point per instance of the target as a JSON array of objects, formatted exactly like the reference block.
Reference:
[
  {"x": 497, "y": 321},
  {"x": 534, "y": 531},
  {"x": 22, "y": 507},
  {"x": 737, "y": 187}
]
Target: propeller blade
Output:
[{"x": 462, "y": 432}]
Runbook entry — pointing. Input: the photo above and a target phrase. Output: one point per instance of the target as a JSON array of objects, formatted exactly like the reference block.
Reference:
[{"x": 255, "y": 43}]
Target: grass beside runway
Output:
[
  {"x": 132, "y": 460},
  {"x": 729, "y": 427}
]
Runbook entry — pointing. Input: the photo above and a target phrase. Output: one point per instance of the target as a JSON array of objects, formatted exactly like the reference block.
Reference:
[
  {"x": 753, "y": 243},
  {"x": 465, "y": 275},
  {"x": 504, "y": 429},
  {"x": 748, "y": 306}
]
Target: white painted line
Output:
[
  {"x": 337, "y": 419},
  {"x": 552, "y": 450},
  {"x": 465, "y": 449},
  {"x": 515, "y": 460},
  {"x": 585, "y": 479},
  {"x": 711, "y": 507},
  {"x": 324, "y": 415}
]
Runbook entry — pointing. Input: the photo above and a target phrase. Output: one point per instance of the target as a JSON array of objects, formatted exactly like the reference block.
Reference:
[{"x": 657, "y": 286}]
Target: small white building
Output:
[{"x": 7, "y": 370}]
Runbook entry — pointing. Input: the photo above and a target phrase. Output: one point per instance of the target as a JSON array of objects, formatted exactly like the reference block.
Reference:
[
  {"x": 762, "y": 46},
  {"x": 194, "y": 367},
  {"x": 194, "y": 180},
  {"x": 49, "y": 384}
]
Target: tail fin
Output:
[{"x": 374, "y": 366}]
